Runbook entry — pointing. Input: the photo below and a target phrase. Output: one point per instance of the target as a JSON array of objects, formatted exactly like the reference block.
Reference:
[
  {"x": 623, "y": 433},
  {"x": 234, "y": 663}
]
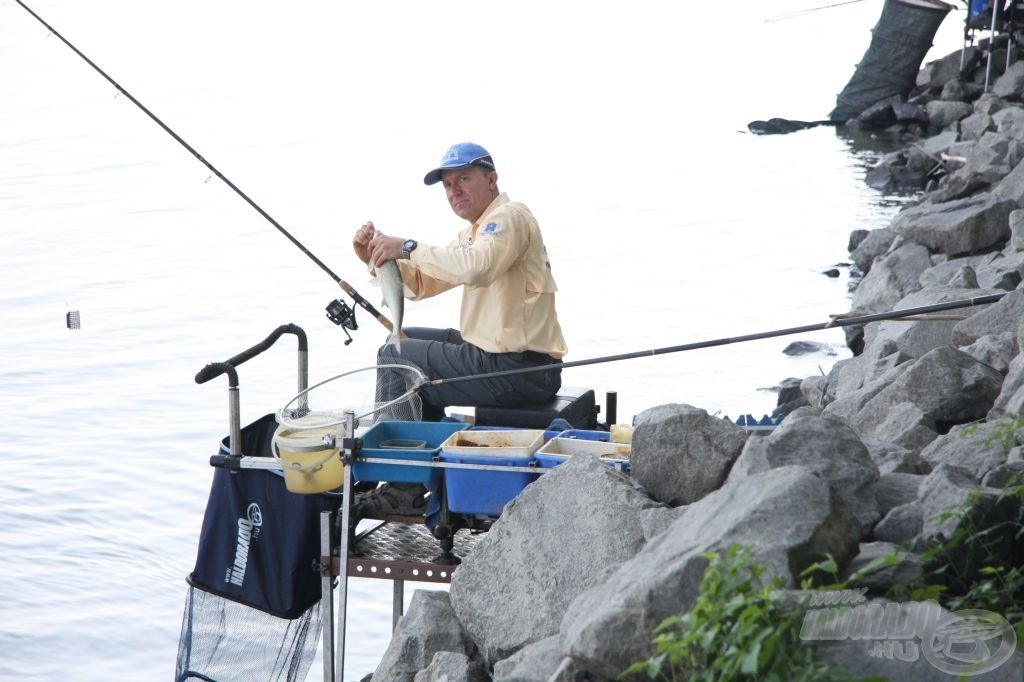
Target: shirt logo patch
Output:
[{"x": 490, "y": 228}]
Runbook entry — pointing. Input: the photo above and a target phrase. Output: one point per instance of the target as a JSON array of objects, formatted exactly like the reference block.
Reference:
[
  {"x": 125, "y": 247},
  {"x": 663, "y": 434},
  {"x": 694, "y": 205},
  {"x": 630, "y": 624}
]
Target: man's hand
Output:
[
  {"x": 384, "y": 248},
  {"x": 361, "y": 242}
]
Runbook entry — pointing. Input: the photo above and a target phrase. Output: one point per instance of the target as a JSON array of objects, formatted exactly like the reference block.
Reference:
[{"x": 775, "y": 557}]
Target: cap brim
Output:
[{"x": 434, "y": 176}]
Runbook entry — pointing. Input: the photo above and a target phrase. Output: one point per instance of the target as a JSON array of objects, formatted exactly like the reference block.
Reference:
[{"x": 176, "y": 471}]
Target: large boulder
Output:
[
  {"x": 874, "y": 245},
  {"x": 981, "y": 508},
  {"x": 960, "y": 226},
  {"x": 448, "y": 666},
  {"x": 788, "y": 517},
  {"x": 1003, "y": 316},
  {"x": 427, "y": 627},
  {"x": 827, "y": 447},
  {"x": 681, "y": 453},
  {"x": 969, "y": 447},
  {"x": 943, "y": 388},
  {"x": 917, "y": 337},
  {"x": 559, "y": 536},
  {"x": 892, "y": 277},
  {"x": 541, "y": 661},
  {"x": 1011, "y": 394}
]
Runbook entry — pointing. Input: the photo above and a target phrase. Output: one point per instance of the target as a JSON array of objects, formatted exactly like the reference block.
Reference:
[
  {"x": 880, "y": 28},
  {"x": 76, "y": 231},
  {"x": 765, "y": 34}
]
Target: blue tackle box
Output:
[{"x": 403, "y": 441}]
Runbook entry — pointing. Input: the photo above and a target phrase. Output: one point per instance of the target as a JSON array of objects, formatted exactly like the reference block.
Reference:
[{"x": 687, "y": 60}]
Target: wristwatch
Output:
[{"x": 408, "y": 246}]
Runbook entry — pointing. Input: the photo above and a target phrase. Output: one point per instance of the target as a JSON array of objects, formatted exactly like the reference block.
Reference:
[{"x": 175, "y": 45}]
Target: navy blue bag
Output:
[{"x": 260, "y": 544}]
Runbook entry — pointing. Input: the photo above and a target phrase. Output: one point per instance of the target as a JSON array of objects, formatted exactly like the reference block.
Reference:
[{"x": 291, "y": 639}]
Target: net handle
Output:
[{"x": 421, "y": 379}]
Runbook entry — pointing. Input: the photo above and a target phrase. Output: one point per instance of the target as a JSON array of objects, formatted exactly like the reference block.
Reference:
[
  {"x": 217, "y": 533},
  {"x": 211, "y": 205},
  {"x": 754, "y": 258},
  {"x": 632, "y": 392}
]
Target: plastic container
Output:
[
  {"x": 482, "y": 492},
  {"x": 308, "y": 464},
  {"x": 403, "y": 441},
  {"x": 557, "y": 450},
  {"x": 548, "y": 433}
]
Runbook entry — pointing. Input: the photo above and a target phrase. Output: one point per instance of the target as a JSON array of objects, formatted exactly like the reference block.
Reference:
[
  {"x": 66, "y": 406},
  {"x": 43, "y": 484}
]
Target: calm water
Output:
[{"x": 623, "y": 129}]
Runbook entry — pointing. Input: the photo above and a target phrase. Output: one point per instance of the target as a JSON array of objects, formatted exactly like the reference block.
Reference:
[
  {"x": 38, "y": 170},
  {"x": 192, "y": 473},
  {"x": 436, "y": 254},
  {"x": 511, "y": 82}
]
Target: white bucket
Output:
[{"x": 308, "y": 464}]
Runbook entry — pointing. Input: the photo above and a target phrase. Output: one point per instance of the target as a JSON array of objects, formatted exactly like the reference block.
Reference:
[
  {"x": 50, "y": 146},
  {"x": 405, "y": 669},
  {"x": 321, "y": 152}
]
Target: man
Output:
[{"x": 507, "y": 319}]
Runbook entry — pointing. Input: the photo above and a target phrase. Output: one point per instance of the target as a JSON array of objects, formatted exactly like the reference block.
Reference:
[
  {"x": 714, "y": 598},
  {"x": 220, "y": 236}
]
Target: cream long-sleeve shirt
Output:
[{"x": 508, "y": 300}]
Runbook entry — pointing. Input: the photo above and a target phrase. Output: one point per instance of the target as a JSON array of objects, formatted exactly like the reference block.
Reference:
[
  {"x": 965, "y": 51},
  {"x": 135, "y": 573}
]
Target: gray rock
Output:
[
  {"x": 894, "y": 459},
  {"x": 916, "y": 338},
  {"x": 1017, "y": 230},
  {"x": 1011, "y": 83},
  {"x": 1003, "y": 316},
  {"x": 994, "y": 350},
  {"x": 827, "y": 447},
  {"x": 537, "y": 662},
  {"x": 974, "y": 126},
  {"x": 681, "y": 453},
  {"x": 995, "y": 154},
  {"x": 1011, "y": 393},
  {"x": 952, "y": 501},
  {"x": 904, "y": 423},
  {"x": 533, "y": 575},
  {"x": 960, "y": 226},
  {"x": 1012, "y": 186},
  {"x": 875, "y": 244},
  {"x": 656, "y": 520},
  {"x": 786, "y": 515},
  {"x": 874, "y": 569},
  {"x": 946, "y": 385},
  {"x": 892, "y": 490},
  {"x": 964, "y": 278},
  {"x": 900, "y": 525},
  {"x": 428, "y": 626},
  {"x": 968, "y": 447},
  {"x": 448, "y": 666},
  {"x": 1009, "y": 121},
  {"x": 942, "y": 113},
  {"x": 936, "y": 145},
  {"x": 940, "y": 274},
  {"x": 892, "y": 277},
  {"x": 935, "y": 74},
  {"x": 1003, "y": 270},
  {"x": 1004, "y": 475},
  {"x": 814, "y": 390}
]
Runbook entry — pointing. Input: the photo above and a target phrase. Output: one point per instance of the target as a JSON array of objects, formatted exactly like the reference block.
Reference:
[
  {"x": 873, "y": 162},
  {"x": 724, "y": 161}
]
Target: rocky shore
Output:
[{"x": 573, "y": 579}]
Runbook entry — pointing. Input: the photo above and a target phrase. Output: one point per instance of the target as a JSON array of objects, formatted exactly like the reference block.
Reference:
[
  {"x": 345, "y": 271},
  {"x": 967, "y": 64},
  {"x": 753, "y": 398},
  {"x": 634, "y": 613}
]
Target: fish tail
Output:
[{"x": 396, "y": 338}]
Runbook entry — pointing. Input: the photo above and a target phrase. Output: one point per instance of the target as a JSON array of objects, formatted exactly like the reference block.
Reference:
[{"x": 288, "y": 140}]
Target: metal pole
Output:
[
  {"x": 397, "y": 603},
  {"x": 326, "y": 603},
  {"x": 346, "y": 508},
  {"x": 991, "y": 41}
]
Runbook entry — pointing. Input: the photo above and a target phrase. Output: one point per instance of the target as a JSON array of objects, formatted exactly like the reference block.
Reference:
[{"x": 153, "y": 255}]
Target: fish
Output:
[{"x": 394, "y": 298}]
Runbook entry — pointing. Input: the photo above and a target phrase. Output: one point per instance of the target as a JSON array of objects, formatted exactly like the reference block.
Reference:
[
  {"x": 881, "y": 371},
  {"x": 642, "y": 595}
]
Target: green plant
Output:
[
  {"x": 979, "y": 566},
  {"x": 740, "y": 628}
]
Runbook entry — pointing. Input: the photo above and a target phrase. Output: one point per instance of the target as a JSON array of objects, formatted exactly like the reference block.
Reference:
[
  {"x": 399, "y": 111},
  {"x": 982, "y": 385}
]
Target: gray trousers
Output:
[{"x": 442, "y": 354}]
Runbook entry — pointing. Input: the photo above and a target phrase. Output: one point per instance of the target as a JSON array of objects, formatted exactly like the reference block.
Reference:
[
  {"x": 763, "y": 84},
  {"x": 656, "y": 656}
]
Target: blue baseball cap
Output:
[{"x": 459, "y": 156}]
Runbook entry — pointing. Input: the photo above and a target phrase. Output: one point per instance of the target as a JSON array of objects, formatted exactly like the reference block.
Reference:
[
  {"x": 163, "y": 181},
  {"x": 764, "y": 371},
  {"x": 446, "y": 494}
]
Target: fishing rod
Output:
[
  {"x": 846, "y": 320},
  {"x": 337, "y": 311}
]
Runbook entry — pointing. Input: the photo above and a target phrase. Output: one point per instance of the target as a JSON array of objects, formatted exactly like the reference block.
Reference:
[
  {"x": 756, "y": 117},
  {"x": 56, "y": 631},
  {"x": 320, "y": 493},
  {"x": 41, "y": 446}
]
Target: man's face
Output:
[{"x": 470, "y": 190}]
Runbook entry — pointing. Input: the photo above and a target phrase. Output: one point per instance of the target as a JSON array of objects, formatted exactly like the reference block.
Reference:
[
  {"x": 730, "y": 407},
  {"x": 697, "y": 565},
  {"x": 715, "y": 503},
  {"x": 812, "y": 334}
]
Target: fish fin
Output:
[{"x": 396, "y": 338}]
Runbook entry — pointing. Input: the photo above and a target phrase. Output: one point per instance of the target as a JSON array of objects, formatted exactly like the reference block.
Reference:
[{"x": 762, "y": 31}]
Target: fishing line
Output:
[
  {"x": 348, "y": 289},
  {"x": 802, "y": 12},
  {"x": 847, "y": 320}
]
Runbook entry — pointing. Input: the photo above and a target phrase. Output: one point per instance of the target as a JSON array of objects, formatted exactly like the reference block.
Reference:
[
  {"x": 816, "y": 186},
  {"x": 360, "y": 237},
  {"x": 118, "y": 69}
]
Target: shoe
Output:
[{"x": 393, "y": 499}]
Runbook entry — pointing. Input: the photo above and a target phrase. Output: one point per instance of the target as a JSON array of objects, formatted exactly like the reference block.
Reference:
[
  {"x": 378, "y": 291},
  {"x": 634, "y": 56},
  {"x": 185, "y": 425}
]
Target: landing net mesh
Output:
[{"x": 376, "y": 393}]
